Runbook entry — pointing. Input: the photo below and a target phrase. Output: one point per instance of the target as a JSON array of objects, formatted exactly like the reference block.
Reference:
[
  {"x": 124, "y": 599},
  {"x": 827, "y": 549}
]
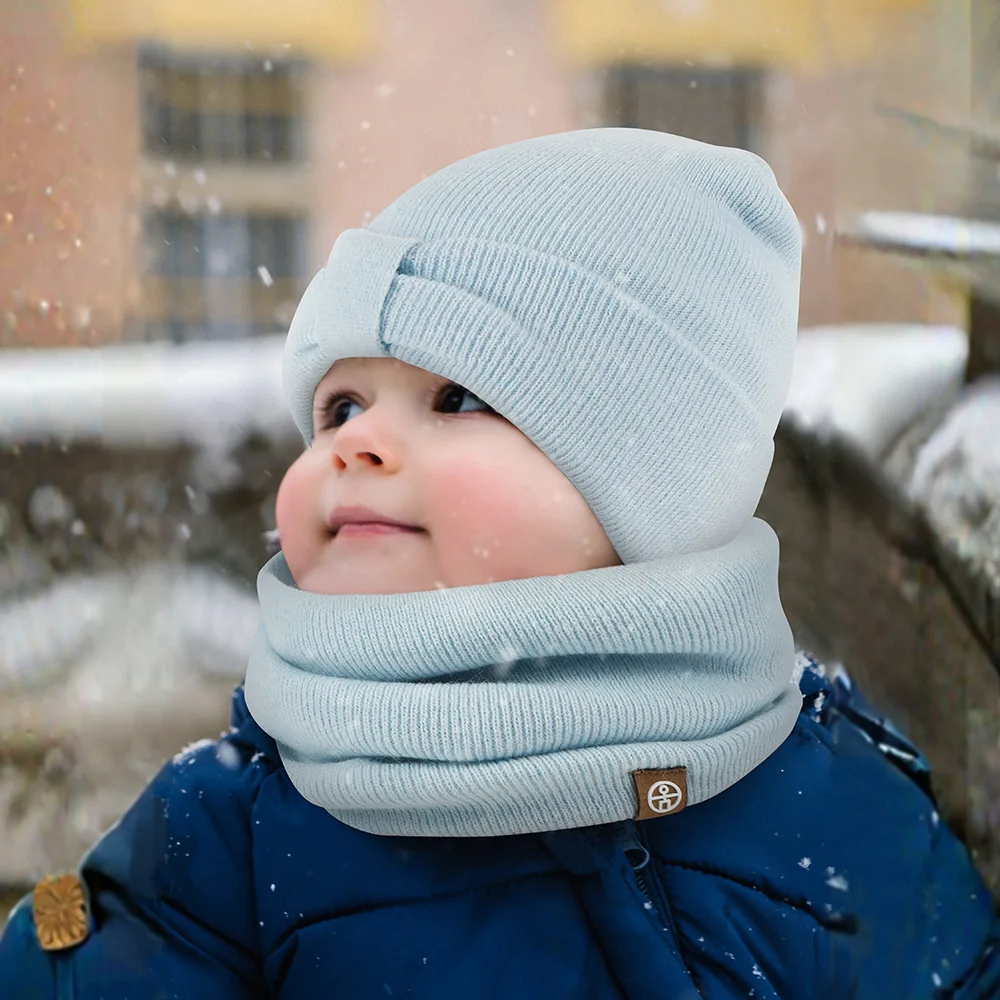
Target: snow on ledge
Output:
[
  {"x": 956, "y": 478},
  {"x": 869, "y": 382},
  {"x": 204, "y": 393},
  {"x": 865, "y": 381},
  {"x": 918, "y": 232}
]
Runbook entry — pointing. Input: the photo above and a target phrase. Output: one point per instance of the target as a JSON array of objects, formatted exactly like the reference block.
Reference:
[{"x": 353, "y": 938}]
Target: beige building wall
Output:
[
  {"x": 449, "y": 78},
  {"x": 68, "y": 160},
  {"x": 836, "y": 156}
]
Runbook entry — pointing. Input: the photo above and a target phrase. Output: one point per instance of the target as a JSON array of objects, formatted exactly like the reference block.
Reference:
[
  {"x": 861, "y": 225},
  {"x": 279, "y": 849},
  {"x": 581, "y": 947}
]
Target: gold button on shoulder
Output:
[{"x": 61, "y": 911}]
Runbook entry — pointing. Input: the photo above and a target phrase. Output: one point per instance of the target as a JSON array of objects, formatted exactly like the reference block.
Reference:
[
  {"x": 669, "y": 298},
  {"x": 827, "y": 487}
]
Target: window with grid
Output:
[
  {"x": 221, "y": 109},
  {"x": 213, "y": 271},
  {"x": 222, "y": 276},
  {"x": 721, "y": 106}
]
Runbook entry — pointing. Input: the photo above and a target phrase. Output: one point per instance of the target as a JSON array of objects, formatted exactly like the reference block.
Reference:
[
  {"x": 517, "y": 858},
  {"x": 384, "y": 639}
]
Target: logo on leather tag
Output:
[{"x": 660, "y": 792}]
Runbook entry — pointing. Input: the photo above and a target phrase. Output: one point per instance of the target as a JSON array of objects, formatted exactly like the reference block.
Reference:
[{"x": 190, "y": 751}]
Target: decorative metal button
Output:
[{"x": 62, "y": 918}]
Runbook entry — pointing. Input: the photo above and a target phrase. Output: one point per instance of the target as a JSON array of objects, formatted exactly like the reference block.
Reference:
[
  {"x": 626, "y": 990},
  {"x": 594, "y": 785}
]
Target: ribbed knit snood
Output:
[{"x": 525, "y": 706}]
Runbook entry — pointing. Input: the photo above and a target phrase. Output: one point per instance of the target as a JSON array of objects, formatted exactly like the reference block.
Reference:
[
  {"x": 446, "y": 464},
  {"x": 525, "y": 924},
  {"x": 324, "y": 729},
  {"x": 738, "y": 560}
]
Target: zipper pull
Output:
[{"x": 628, "y": 839}]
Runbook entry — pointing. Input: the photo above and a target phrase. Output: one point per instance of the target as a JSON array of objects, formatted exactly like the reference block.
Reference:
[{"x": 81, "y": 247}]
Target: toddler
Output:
[{"x": 525, "y": 717}]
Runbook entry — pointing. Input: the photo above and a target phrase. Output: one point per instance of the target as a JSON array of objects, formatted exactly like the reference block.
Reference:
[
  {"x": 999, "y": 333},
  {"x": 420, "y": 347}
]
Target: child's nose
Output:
[{"x": 362, "y": 444}]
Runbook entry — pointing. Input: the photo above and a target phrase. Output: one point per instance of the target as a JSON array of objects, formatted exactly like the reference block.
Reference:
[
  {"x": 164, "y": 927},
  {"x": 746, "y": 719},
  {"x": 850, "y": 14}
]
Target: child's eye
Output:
[
  {"x": 453, "y": 399},
  {"x": 337, "y": 411}
]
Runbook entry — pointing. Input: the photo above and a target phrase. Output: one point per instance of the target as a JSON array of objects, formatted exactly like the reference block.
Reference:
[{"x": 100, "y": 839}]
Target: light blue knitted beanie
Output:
[{"x": 627, "y": 298}]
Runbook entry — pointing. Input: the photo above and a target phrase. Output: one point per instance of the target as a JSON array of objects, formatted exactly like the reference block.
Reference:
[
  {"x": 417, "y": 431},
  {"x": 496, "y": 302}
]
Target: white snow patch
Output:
[
  {"x": 203, "y": 392},
  {"x": 936, "y": 233},
  {"x": 956, "y": 477},
  {"x": 41, "y": 635},
  {"x": 868, "y": 383},
  {"x": 194, "y": 617}
]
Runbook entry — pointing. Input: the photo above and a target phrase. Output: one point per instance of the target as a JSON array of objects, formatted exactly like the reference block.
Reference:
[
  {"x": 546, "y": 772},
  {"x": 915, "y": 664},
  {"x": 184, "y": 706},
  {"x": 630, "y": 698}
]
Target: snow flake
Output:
[
  {"x": 805, "y": 862},
  {"x": 228, "y": 755},
  {"x": 756, "y": 971},
  {"x": 837, "y": 882}
]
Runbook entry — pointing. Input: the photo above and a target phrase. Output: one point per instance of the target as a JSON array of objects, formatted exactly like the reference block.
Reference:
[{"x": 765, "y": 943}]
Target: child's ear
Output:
[{"x": 272, "y": 542}]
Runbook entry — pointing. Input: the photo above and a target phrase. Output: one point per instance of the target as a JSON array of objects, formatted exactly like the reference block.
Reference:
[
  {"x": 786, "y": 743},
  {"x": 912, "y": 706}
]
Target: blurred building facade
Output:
[{"x": 174, "y": 170}]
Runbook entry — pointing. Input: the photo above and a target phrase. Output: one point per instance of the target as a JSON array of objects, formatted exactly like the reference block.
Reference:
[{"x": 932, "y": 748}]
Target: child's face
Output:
[{"x": 483, "y": 503}]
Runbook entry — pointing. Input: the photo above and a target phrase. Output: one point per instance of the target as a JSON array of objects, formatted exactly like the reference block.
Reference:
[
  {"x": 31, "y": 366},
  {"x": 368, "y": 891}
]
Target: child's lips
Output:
[
  {"x": 367, "y": 529},
  {"x": 355, "y": 520}
]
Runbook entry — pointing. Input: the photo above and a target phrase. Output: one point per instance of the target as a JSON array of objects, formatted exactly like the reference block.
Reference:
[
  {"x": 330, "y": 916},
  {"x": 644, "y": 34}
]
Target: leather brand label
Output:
[{"x": 660, "y": 792}]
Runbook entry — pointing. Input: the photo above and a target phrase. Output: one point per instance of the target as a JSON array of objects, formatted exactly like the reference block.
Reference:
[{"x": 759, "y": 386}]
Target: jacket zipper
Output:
[{"x": 634, "y": 845}]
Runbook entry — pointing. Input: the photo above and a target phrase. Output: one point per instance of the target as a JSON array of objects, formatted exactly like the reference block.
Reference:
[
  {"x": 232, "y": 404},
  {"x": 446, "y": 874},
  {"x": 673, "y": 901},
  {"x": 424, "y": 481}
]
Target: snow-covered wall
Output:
[
  {"x": 956, "y": 480},
  {"x": 869, "y": 382},
  {"x": 202, "y": 393},
  {"x": 102, "y": 679}
]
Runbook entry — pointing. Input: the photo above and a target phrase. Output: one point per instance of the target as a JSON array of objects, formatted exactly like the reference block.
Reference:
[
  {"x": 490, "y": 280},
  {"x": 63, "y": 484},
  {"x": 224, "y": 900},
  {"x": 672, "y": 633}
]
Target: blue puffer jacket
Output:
[{"x": 824, "y": 873}]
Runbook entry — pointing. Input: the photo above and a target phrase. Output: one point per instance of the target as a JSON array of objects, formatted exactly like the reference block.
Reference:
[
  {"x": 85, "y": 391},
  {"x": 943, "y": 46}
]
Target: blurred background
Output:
[{"x": 173, "y": 172}]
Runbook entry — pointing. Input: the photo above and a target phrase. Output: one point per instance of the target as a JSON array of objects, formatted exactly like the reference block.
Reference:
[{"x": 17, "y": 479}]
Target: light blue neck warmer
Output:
[{"x": 524, "y": 706}]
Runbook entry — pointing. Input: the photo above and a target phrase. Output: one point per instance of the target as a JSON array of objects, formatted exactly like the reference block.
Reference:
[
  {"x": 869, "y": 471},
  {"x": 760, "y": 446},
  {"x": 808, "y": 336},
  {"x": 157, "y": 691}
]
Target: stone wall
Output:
[
  {"x": 867, "y": 583},
  {"x": 127, "y": 611}
]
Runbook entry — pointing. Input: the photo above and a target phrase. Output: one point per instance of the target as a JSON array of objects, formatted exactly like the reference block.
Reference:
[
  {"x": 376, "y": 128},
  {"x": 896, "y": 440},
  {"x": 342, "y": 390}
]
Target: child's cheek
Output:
[
  {"x": 295, "y": 514},
  {"x": 488, "y": 517},
  {"x": 469, "y": 501}
]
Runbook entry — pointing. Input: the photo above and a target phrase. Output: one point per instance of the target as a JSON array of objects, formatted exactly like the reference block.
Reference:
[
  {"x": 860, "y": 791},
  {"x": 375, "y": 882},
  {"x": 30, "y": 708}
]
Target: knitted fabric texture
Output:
[
  {"x": 627, "y": 298},
  {"x": 524, "y": 706}
]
